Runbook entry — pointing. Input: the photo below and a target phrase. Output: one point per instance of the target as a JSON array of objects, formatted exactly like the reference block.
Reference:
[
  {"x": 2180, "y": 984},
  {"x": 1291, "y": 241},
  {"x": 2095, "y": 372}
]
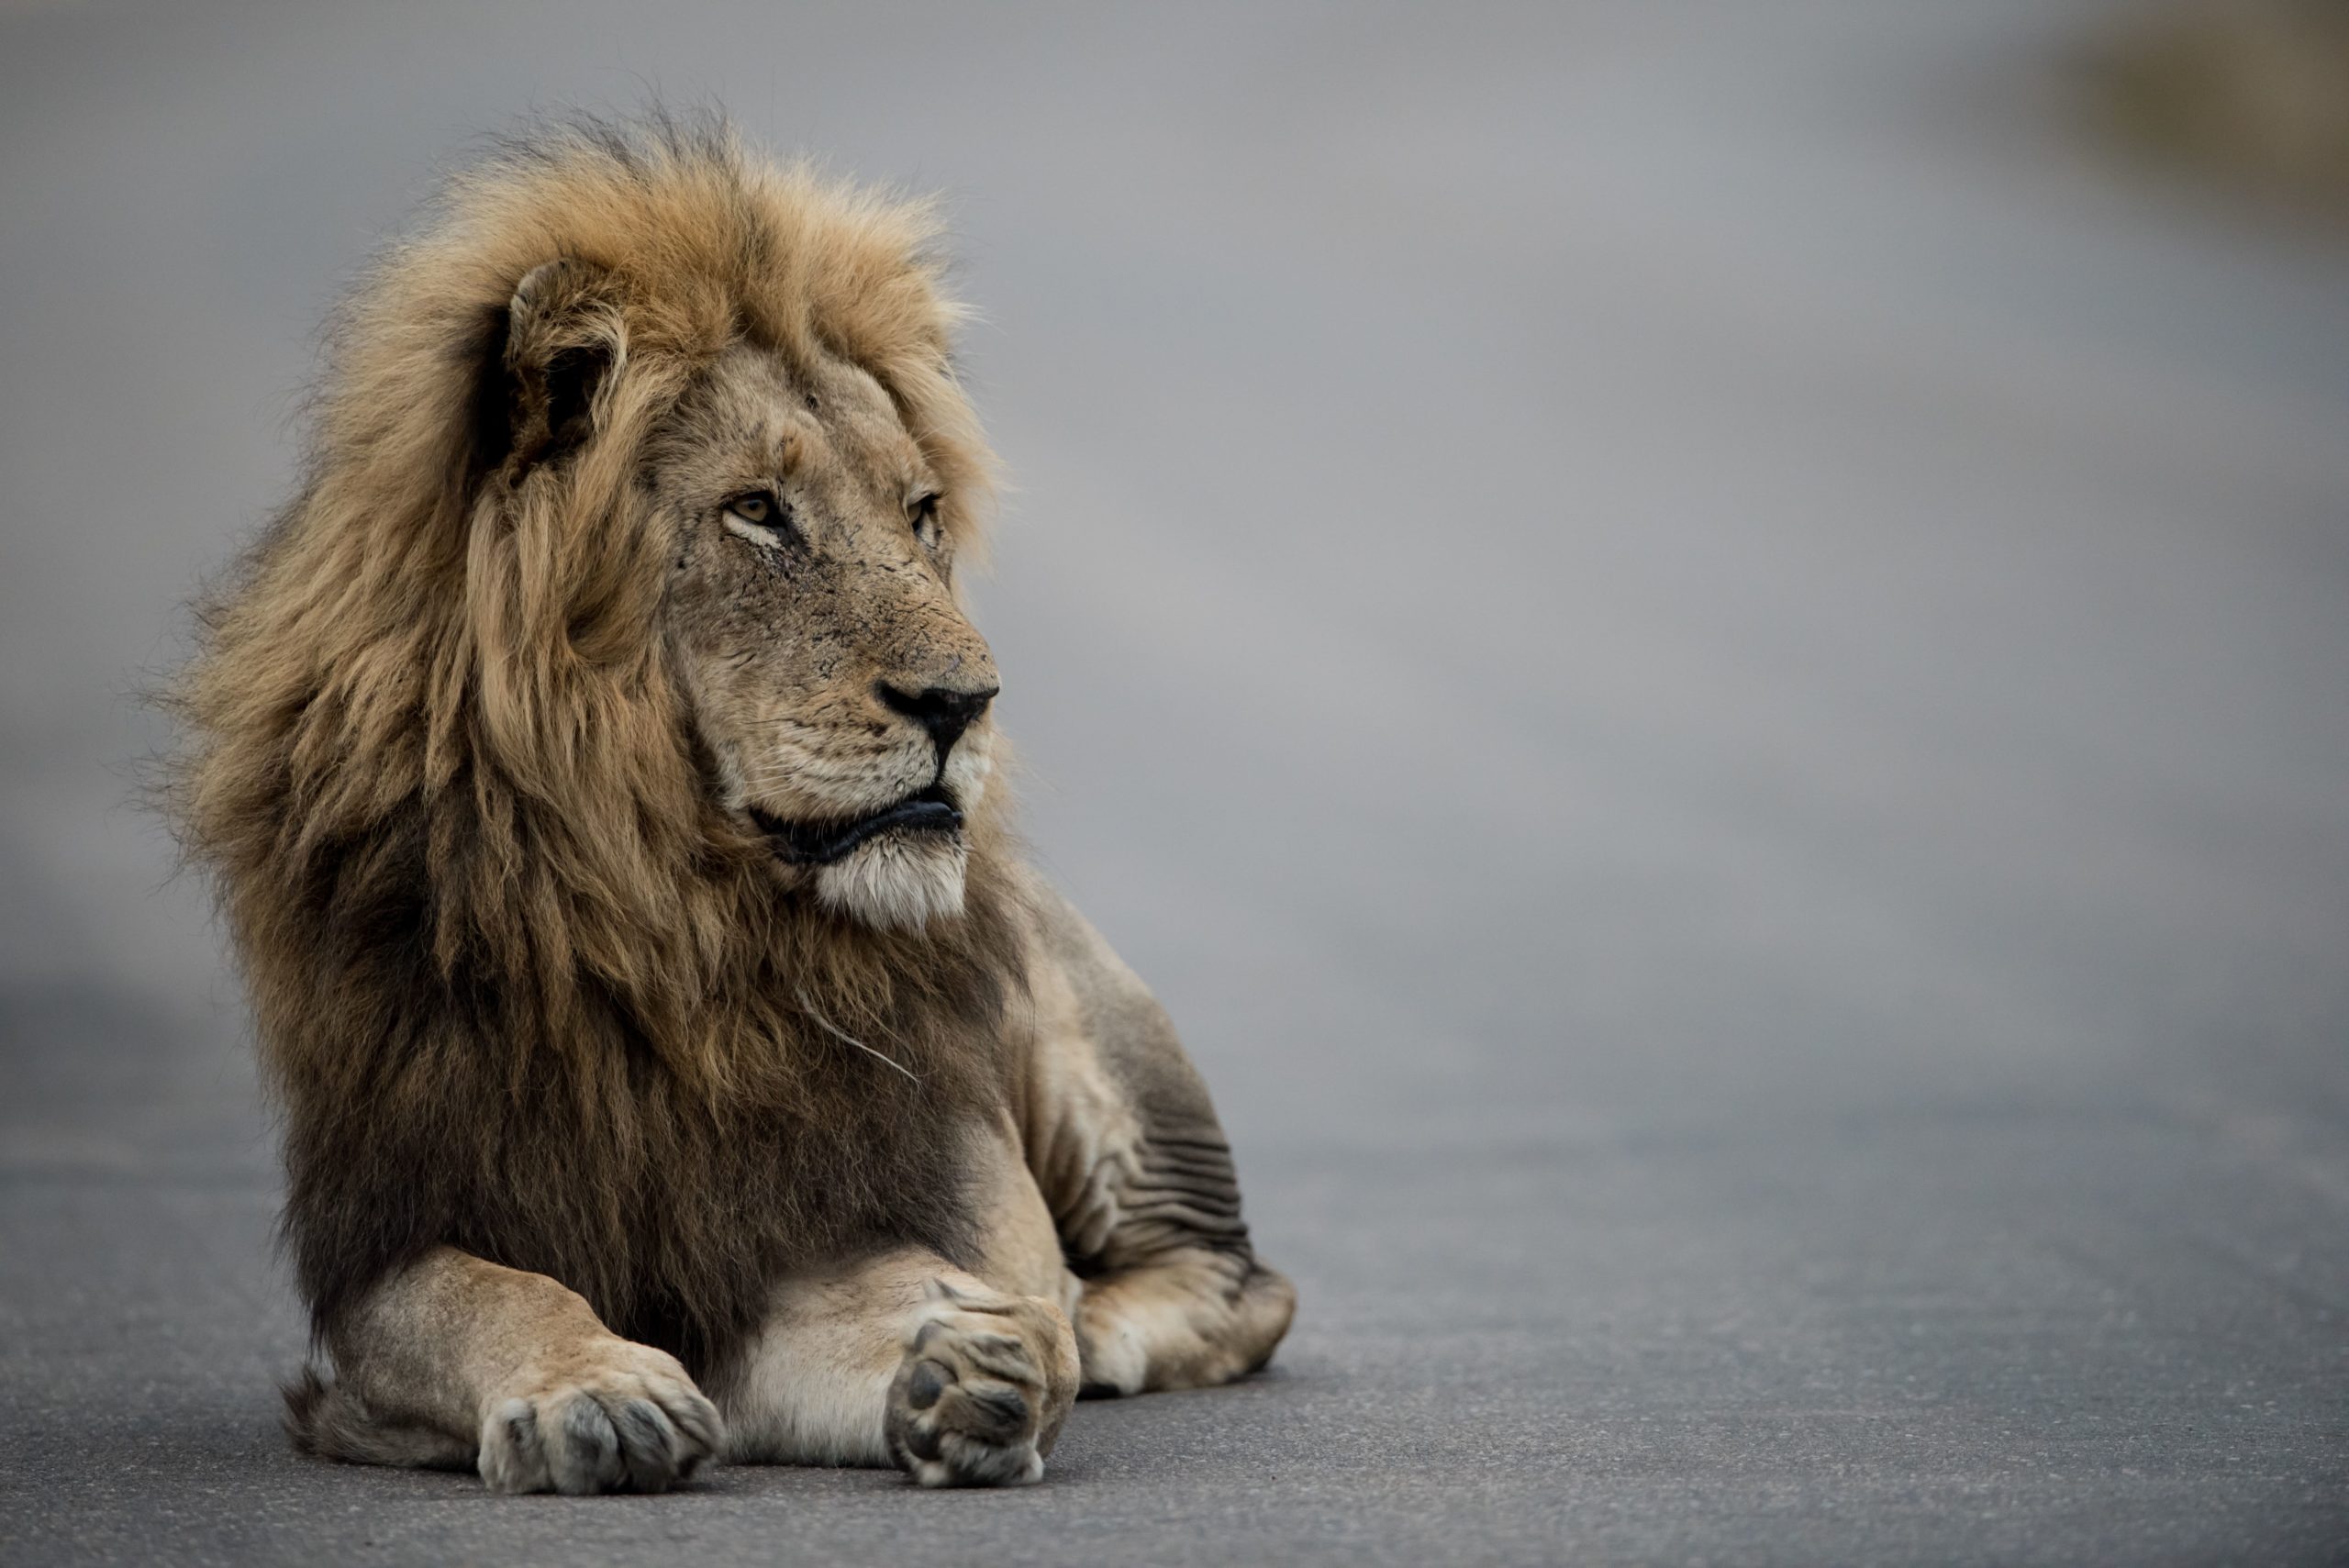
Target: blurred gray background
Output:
[{"x": 1706, "y": 653}]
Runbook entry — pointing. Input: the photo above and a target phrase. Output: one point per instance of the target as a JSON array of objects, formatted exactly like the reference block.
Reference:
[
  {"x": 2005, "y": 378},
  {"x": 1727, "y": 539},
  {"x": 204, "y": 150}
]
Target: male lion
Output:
[{"x": 595, "y": 765}]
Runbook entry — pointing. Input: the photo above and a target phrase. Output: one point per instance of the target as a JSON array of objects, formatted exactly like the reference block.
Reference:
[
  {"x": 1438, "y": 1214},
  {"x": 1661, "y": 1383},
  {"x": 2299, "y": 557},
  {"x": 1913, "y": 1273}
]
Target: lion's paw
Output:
[
  {"x": 611, "y": 1416},
  {"x": 985, "y": 1383}
]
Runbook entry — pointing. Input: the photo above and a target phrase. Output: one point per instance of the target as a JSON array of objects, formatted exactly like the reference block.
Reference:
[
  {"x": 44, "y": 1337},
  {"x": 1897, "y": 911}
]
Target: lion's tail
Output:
[{"x": 325, "y": 1419}]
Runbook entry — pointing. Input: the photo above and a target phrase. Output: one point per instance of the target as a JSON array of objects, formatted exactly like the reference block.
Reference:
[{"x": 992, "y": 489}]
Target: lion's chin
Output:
[{"x": 898, "y": 881}]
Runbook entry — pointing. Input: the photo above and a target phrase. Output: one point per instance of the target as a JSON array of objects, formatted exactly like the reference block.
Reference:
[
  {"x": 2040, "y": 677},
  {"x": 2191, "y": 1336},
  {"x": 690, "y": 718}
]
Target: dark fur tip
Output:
[
  {"x": 327, "y": 1422},
  {"x": 304, "y": 1396}
]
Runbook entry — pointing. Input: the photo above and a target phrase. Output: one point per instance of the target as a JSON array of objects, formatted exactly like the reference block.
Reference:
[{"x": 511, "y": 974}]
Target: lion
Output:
[{"x": 596, "y": 767}]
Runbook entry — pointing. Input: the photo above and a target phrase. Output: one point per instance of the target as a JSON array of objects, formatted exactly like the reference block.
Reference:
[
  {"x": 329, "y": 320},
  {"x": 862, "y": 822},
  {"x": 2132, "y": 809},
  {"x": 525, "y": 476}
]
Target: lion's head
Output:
[
  {"x": 660, "y": 437},
  {"x": 805, "y": 473}
]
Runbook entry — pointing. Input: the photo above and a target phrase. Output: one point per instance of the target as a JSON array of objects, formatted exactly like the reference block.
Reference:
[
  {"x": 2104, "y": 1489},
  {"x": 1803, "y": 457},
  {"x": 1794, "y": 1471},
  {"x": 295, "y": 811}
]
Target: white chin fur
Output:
[{"x": 899, "y": 879}]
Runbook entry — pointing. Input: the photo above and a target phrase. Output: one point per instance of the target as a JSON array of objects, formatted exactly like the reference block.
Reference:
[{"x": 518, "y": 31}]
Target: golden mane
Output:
[{"x": 517, "y": 983}]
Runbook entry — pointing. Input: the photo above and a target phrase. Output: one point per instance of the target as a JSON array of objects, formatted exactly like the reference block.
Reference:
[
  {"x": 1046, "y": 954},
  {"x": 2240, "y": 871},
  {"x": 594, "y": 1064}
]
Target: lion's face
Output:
[{"x": 837, "y": 688}]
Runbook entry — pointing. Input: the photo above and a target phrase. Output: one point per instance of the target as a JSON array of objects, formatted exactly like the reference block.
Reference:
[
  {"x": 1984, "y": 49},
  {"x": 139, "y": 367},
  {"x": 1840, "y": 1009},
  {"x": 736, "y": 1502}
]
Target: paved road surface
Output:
[{"x": 1711, "y": 670}]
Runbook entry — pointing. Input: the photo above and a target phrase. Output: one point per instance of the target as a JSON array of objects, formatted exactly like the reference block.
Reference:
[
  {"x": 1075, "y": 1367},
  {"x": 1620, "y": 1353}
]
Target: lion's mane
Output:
[{"x": 518, "y": 986}]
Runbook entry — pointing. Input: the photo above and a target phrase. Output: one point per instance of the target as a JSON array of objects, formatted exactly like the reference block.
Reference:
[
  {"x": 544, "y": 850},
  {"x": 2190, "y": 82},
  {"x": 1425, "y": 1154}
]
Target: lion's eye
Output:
[
  {"x": 759, "y": 517},
  {"x": 924, "y": 514}
]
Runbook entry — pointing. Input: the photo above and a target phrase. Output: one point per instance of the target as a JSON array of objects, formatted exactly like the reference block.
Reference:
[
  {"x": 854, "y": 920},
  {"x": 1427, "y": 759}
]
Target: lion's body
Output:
[{"x": 482, "y": 751}]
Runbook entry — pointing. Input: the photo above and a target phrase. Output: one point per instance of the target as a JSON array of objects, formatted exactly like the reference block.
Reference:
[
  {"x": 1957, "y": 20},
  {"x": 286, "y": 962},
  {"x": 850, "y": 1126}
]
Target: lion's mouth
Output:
[{"x": 820, "y": 843}]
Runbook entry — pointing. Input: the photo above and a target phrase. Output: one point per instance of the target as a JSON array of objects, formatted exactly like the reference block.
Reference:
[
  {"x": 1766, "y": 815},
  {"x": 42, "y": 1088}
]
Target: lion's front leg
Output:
[
  {"x": 903, "y": 1359},
  {"x": 456, "y": 1361}
]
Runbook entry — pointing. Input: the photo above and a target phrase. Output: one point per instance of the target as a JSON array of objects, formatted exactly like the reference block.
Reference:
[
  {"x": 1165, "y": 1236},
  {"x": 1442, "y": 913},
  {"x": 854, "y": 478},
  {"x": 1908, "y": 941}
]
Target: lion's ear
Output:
[{"x": 563, "y": 336}]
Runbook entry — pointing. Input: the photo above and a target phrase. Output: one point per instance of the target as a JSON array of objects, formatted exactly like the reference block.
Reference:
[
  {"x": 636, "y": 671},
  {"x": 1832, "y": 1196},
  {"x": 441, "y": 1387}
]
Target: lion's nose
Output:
[{"x": 944, "y": 711}]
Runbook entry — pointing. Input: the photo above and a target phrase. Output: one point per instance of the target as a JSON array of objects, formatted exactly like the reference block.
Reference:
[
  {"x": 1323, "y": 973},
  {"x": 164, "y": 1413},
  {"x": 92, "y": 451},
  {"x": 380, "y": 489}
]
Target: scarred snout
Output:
[{"x": 836, "y": 684}]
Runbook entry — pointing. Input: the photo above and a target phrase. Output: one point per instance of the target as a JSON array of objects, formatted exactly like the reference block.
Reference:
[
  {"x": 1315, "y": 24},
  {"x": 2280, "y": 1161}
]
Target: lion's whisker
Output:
[{"x": 842, "y": 1034}]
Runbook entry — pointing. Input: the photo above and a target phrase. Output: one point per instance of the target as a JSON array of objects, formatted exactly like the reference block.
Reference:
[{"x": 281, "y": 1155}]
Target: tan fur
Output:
[
  {"x": 454, "y": 1349},
  {"x": 830, "y": 1381},
  {"x": 504, "y": 746}
]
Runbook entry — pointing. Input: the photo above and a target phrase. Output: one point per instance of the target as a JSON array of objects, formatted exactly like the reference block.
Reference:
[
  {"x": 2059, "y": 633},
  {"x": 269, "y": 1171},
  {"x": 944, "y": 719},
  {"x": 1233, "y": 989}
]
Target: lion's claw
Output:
[
  {"x": 616, "y": 1417},
  {"x": 980, "y": 1397}
]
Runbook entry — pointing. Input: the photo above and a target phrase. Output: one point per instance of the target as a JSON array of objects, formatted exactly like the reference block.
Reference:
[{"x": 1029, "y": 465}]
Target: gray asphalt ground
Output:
[{"x": 1710, "y": 666}]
